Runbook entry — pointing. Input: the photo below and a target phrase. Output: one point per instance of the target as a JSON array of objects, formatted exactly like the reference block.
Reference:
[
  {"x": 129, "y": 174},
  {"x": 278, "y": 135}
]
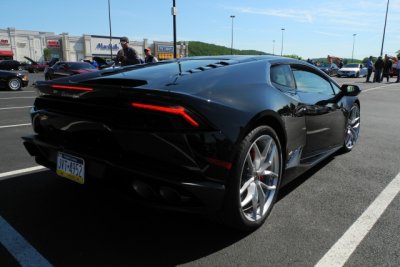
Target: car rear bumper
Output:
[{"x": 164, "y": 186}]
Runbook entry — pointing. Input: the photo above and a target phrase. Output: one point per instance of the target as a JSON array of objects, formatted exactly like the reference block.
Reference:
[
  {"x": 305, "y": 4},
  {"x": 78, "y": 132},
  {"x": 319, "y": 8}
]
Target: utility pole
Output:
[
  {"x": 384, "y": 28},
  {"x": 352, "y": 52},
  {"x": 174, "y": 12},
  {"x": 273, "y": 47},
  {"x": 283, "y": 29},
  {"x": 109, "y": 22},
  {"x": 232, "y": 17}
]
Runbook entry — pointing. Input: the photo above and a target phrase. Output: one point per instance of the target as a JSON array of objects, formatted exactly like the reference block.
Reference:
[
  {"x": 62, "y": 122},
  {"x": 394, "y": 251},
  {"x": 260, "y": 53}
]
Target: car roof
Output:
[{"x": 71, "y": 62}]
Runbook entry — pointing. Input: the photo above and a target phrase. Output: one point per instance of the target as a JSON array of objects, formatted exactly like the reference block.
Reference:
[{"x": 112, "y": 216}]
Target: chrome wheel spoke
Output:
[
  {"x": 249, "y": 196},
  {"x": 254, "y": 202},
  {"x": 257, "y": 156},
  {"x": 355, "y": 121},
  {"x": 269, "y": 156},
  {"x": 261, "y": 197},
  {"x": 250, "y": 163},
  {"x": 246, "y": 185},
  {"x": 268, "y": 187}
]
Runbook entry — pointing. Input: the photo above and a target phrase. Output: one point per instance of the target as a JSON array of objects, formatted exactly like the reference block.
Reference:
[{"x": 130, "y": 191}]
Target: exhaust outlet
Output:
[
  {"x": 144, "y": 190},
  {"x": 170, "y": 194}
]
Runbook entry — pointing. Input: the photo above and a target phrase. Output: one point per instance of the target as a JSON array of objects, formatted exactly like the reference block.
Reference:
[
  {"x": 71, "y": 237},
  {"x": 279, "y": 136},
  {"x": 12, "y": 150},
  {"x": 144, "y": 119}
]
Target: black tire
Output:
[
  {"x": 254, "y": 181},
  {"x": 14, "y": 84},
  {"x": 352, "y": 129}
]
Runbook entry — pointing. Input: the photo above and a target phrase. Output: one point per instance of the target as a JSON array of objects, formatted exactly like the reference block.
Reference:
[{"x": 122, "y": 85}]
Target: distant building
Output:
[{"x": 16, "y": 44}]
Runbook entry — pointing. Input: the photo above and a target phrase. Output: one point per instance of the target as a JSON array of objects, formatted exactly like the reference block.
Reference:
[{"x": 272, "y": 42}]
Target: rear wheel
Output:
[
  {"x": 255, "y": 180},
  {"x": 14, "y": 84},
  {"x": 352, "y": 128}
]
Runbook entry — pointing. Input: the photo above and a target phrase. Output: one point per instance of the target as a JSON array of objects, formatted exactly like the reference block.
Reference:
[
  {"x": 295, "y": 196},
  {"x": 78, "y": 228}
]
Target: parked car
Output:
[
  {"x": 10, "y": 65},
  {"x": 103, "y": 63},
  {"x": 329, "y": 68},
  {"x": 393, "y": 70},
  {"x": 219, "y": 134},
  {"x": 53, "y": 61},
  {"x": 13, "y": 80},
  {"x": 353, "y": 70},
  {"x": 34, "y": 66},
  {"x": 64, "y": 68}
]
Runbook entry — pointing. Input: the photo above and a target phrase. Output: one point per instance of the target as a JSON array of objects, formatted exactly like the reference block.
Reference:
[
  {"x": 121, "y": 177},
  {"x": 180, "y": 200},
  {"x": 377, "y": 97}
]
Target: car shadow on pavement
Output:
[
  {"x": 74, "y": 225},
  {"x": 290, "y": 187}
]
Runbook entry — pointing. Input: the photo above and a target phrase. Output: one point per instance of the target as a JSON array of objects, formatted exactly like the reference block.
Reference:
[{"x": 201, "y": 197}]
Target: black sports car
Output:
[
  {"x": 220, "y": 134},
  {"x": 13, "y": 80}
]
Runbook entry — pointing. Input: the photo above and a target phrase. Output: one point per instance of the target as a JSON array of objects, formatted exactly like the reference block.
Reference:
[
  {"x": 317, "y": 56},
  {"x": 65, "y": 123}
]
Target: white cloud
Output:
[{"x": 300, "y": 16}]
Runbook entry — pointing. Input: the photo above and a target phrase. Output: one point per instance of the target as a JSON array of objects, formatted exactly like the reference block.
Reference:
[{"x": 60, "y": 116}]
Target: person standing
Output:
[
  {"x": 378, "y": 69},
  {"x": 127, "y": 55},
  {"x": 149, "y": 57},
  {"x": 94, "y": 64},
  {"x": 387, "y": 66},
  {"x": 398, "y": 69},
  {"x": 370, "y": 67}
]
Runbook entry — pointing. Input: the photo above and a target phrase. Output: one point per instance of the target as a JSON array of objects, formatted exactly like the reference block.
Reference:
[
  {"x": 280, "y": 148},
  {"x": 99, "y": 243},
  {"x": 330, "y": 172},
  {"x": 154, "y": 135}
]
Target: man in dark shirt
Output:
[
  {"x": 378, "y": 70},
  {"x": 127, "y": 55}
]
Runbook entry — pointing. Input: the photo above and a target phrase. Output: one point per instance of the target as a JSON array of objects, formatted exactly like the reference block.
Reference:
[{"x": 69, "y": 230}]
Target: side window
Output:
[
  {"x": 281, "y": 75},
  {"x": 307, "y": 81}
]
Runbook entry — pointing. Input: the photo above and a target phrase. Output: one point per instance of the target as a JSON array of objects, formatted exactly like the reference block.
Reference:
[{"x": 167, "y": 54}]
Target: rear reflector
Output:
[
  {"x": 220, "y": 163},
  {"x": 70, "y": 87},
  {"x": 172, "y": 110}
]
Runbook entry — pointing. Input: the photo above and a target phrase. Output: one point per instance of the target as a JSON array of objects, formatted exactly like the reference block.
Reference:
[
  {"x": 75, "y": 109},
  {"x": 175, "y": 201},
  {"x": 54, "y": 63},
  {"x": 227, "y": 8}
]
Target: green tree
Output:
[
  {"x": 204, "y": 49},
  {"x": 47, "y": 53}
]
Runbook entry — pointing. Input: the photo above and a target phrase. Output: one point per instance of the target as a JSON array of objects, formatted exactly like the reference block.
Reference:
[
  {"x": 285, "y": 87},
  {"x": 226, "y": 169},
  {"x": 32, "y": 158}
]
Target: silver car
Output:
[{"x": 353, "y": 70}]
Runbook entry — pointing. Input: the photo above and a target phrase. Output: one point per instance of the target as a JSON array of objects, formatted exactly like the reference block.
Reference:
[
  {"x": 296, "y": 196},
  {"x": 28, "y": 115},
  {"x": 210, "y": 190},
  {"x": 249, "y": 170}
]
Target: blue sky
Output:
[{"x": 313, "y": 28}]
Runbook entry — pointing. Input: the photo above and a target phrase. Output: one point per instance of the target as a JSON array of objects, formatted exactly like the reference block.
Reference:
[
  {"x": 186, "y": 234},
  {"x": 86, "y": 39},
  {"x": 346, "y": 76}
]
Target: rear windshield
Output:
[
  {"x": 78, "y": 66},
  {"x": 351, "y": 66}
]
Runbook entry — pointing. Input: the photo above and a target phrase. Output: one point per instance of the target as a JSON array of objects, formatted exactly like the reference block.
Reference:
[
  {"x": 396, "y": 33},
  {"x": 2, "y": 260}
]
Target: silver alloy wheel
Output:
[
  {"x": 259, "y": 178},
  {"x": 353, "y": 127},
  {"x": 14, "y": 84}
]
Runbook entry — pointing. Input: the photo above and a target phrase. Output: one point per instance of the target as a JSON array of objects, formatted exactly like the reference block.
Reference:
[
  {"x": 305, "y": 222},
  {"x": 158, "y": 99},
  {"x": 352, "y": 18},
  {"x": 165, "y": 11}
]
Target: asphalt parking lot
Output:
[{"x": 343, "y": 212}]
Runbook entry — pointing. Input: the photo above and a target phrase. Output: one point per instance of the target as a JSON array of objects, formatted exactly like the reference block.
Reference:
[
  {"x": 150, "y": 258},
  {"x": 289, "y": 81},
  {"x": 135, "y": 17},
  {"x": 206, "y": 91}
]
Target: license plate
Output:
[{"x": 71, "y": 167}]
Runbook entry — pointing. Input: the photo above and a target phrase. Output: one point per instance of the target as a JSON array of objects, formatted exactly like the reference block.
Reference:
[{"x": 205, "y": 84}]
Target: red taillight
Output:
[
  {"x": 220, "y": 163},
  {"x": 172, "y": 110},
  {"x": 71, "y": 87}
]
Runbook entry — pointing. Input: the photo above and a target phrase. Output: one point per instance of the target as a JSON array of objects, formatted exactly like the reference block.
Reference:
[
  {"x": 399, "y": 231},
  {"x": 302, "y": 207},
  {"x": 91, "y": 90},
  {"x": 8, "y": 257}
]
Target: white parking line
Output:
[
  {"x": 15, "y": 107},
  {"x": 341, "y": 251},
  {"x": 19, "y": 248},
  {"x": 18, "y": 97},
  {"x": 379, "y": 87},
  {"x": 15, "y": 125},
  {"x": 18, "y": 92},
  {"x": 6, "y": 175}
]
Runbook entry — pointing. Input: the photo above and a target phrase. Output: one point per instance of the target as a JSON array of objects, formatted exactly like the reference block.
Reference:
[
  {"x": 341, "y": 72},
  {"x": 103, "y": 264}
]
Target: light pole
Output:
[
  {"x": 173, "y": 12},
  {"x": 109, "y": 22},
  {"x": 282, "y": 41},
  {"x": 273, "y": 47},
  {"x": 384, "y": 28},
  {"x": 352, "y": 52},
  {"x": 232, "y": 17}
]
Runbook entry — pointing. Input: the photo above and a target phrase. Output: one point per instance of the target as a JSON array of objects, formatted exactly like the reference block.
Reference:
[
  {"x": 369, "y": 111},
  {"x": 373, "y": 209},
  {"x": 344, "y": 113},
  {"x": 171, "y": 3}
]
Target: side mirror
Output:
[{"x": 350, "y": 89}]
